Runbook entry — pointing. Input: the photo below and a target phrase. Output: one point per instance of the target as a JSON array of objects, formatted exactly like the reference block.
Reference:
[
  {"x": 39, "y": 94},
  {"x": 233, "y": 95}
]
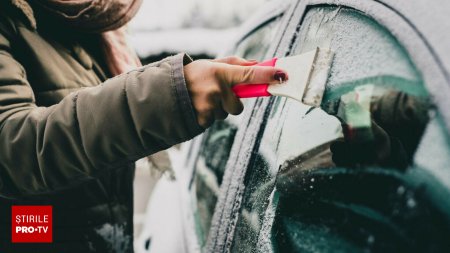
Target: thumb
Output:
[{"x": 233, "y": 74}]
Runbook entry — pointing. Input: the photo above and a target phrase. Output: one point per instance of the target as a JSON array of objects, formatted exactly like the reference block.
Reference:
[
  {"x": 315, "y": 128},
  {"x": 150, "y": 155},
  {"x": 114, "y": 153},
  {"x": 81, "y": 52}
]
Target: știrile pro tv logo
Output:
[{"x": 31, "y": 224}]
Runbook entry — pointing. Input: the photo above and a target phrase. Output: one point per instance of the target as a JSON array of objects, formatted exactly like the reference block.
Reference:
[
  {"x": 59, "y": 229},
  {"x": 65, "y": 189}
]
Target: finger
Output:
[
  {"x": 234, "y": 60},
  {"x": 232, "y": 74},
  {"x": 231, "y": 103},
  {"x": 220, "y": 113},
  {"x": 217, "y": 112},
  {"x": 206, "y": 106}
]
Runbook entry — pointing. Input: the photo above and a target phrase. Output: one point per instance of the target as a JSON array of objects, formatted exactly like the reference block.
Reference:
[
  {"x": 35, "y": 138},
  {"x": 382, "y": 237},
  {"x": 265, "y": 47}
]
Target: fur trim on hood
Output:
[{"x": 26, "y": 10}]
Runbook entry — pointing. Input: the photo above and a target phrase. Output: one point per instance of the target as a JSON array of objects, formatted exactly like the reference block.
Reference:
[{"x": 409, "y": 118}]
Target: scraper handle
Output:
[{"x": 243, "y": 90}]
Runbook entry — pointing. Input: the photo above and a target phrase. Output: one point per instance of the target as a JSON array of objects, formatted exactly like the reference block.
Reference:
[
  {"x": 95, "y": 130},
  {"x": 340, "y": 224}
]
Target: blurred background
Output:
[{"x": 201, "y": 28}]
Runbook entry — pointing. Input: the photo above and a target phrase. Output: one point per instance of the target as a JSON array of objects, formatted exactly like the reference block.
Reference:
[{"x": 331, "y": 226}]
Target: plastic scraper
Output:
[{"x": 308, "y": 74}]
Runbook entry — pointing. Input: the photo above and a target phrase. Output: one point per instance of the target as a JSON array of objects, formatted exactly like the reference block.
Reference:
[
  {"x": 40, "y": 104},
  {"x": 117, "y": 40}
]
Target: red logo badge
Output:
[{"x": 32, "y": 224}]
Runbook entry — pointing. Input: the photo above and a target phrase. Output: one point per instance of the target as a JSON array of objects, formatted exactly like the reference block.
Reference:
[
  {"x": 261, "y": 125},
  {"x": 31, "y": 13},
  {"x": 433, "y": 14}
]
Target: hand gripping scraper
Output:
[{"x": 308, "y": 74}]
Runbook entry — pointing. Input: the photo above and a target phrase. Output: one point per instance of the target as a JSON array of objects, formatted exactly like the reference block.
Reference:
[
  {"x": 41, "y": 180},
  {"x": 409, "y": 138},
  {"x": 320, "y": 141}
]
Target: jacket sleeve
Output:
[{"x": 43, "y": 149}]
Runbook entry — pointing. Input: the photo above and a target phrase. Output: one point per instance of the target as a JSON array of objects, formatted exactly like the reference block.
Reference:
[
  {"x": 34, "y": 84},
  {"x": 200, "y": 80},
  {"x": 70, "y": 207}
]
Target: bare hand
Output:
[{"x": 209, "y": 84}]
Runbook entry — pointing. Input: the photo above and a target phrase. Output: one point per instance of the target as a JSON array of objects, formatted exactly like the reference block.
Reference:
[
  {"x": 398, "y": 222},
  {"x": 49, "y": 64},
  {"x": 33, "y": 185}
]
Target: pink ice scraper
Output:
[{"x": 308, "y": 74}]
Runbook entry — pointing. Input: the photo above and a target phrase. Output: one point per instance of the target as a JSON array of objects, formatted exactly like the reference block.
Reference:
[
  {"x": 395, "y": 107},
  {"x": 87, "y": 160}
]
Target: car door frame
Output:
[
  {"x": 227, "y": 206},
  {"x": 388, "y": 14},
  {"x": 190, "y": 151}
]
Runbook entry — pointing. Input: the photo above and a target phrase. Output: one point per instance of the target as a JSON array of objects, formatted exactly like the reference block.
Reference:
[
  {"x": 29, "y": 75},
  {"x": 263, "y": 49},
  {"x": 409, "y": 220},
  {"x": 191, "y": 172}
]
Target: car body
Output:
[{"x": 369, "y": 171}]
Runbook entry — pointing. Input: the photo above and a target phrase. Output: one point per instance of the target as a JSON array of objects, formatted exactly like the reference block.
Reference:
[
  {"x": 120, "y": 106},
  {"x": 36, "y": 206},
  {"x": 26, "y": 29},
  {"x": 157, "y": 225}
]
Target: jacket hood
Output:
[{"x": 91, "y": 16}]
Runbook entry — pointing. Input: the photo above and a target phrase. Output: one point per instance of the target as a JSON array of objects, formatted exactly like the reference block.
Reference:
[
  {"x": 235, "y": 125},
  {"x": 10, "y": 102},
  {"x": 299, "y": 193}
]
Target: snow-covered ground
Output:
[{"x": 193, "y": 26}]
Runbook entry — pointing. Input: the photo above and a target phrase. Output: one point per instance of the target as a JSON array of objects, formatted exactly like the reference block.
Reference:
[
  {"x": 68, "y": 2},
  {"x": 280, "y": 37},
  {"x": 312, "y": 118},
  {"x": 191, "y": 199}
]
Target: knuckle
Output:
[
  {"x": 230, "y": 59},
  {"x": 227, "y": 60},
  {"x": 216, "y": 73},
  {"x": 234, "y": 59}
]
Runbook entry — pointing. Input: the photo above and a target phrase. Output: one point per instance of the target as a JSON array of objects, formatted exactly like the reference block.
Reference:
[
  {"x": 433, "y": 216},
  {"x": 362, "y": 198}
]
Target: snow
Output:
[
  {"x": 114, "y": 235},
  {"x": 176, "y": 14},
  {"x": 194, "y": 41}
]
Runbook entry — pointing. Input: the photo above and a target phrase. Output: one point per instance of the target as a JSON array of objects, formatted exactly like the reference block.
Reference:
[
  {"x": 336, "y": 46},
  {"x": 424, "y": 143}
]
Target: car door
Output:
[
  {"x": 209, "y": 153},
  {"x": 367, "y": 171}
]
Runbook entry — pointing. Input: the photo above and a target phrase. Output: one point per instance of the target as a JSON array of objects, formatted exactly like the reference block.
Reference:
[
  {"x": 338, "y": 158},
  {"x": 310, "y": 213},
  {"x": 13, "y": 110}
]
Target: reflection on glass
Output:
[
  {"x": 382, "y": 127},
  {"x": 256, "y": 45},
  {"x": 348, "y": 198},
  {"x": 344, "y": 177},
  {"x": 209, "y": 170}
]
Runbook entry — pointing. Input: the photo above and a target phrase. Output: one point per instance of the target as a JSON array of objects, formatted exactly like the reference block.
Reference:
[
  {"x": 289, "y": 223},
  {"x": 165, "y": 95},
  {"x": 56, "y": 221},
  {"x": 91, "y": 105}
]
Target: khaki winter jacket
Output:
[{"x": 69, "y": 136}]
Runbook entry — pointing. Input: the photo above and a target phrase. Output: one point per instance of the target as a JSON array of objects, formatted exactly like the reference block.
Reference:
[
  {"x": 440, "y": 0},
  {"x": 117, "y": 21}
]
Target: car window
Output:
[
  {"x": 353, "y": 175},
  {"x": 255, "y": 45},
  {"x": 218, "y": 140}
]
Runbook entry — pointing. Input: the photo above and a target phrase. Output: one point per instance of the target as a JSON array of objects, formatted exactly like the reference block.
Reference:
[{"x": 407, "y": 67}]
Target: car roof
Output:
[{"x": 431, "y": 20}]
